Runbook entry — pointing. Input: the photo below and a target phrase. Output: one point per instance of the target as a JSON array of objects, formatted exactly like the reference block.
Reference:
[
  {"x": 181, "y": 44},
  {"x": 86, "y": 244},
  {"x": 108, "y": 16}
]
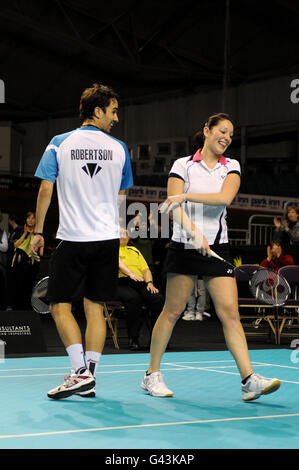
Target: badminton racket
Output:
[
  {"x": 265, "y": 284},
  {"x": 39, "y": 300},
  {"x": 41, "y": 304}
]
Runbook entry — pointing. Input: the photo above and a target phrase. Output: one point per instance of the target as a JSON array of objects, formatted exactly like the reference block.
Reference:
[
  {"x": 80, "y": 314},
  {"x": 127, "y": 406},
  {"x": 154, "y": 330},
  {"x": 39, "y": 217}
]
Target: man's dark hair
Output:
[
  {"x": 96, "y": 96},
  {"x": 14, "y": 218}
]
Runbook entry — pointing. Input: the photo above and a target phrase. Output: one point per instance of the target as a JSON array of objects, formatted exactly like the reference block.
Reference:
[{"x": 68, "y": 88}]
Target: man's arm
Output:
[
  {"x": 148, "y": 278},
  {"x": 127, "y": 271},
  {"x": 43, "y": 202}
]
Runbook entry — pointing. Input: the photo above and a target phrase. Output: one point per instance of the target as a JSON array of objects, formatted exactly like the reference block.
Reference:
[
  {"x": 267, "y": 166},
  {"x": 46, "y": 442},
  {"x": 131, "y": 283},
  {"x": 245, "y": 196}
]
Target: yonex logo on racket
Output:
[{"x": 2, "y": 91}]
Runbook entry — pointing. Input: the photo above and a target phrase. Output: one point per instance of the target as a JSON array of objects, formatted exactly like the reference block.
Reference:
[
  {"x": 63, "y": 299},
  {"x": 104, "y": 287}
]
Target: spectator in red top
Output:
[{"x": 275, "y": 258}]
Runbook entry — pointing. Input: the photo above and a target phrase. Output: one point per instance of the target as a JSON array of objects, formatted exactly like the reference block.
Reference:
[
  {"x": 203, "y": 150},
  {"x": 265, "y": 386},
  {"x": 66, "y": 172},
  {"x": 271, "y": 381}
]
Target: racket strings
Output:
[
  {"x": 39, "y": 300},
  {"x": 269, "y": 287}
]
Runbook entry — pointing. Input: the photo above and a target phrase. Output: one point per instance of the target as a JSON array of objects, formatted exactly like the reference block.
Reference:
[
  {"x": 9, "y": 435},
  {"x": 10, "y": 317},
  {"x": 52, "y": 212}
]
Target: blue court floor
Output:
[{"x": 206, "y": 411}]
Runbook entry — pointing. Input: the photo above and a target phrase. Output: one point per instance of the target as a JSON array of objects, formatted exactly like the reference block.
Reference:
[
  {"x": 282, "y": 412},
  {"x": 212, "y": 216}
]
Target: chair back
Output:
[
  {"x": 243, "y": 275},
  {"x": 244, "y": 272},
  {"x": 290, "y": 273}
]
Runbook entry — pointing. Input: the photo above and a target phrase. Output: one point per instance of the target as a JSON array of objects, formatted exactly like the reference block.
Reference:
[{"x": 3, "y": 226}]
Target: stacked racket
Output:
[
  {"x": 39, "y": 301},
  {"x": 269, "y": 287},
  {"x": 265, "y": 285}
]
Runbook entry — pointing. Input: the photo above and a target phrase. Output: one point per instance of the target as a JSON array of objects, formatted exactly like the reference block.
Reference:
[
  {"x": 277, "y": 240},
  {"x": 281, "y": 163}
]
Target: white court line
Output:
[
  {"x": 115, "y": 365},
  {"x": 129, "y": 365},
  {"x": 174, "y": 367},
  {"x": 138, "y": 426},
  {"x": 106, "y": 372},
  {"x": 231, "y": 373},
  {"x": 276, "y": 365},
  {"x": 177, "y": 365},
  {"x": 181, "y": 368},
  {"x": 208, "y": 369}
]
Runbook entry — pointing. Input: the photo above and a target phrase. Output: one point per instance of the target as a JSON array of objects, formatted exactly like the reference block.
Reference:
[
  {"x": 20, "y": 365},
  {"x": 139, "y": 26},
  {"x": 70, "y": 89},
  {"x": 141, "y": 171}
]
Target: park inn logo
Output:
[{"x": 91, "y": 169}]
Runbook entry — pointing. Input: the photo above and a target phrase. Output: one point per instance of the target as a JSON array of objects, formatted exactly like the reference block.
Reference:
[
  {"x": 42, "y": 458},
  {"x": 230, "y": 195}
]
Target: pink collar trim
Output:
[{"x": 197, "y": 157}]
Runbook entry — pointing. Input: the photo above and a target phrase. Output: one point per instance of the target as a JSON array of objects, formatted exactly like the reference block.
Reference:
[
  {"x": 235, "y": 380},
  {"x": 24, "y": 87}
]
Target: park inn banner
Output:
[
  {"x": 242, "y": 201},
  {"x": 158, "y": 194}
]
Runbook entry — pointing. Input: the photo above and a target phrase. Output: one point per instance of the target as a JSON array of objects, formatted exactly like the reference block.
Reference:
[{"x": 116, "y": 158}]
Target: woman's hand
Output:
[
  {"x": 285, "y": 225},
  {"x": 269, "y": 253},
  {"x": 277, "y": 223},
  {"x": 173, "y": 201},
  {"x": 200, "y": 242}
]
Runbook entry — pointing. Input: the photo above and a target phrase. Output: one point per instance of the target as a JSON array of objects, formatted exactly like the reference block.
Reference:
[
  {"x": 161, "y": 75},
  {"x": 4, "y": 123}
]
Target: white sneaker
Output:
[
  {"x": 88, "y": 393},
  {"x": 188, "y": 316},
  {"x": 198, "y": 316},
  {"x": 155, "y": 385},
  {"x": 73, "y": 384},
  {"x": 257, "y": 385}
]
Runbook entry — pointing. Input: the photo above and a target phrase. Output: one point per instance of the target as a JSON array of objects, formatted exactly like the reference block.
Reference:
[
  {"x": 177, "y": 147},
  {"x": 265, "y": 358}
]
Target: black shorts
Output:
[
  {"x": 84, "y": 269},
  {"x": 182, "y": 260}
]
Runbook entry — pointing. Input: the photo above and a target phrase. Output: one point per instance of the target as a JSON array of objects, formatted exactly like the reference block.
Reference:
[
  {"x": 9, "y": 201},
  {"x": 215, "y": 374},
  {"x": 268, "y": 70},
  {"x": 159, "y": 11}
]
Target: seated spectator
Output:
[
  {"x": 24, "y": 267},
  {"x": 136, "y": 289},
  {"x": 287, "y": 230},
  {"x": 159, "y": 250},
  {"x": 140, "y": 237},
  {"x": 275, "y": 257},
  {"x": 15, "y": 232}
]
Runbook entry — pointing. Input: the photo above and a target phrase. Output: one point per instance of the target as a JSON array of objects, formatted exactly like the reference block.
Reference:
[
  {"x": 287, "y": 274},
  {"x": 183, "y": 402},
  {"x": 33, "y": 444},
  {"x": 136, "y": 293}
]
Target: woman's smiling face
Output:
[{"x": 219, "y": 137}]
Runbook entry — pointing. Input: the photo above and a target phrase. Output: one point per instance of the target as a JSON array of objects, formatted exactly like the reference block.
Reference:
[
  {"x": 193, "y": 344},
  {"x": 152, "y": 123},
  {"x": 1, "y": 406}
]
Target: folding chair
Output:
[
  {"x": 109, "y": 311},
  {"x": 291, "y": 274},
  {"x": 110, "y": 308}
]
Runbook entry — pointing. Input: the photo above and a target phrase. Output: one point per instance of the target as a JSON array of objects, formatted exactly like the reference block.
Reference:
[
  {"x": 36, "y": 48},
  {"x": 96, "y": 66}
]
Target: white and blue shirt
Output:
[
  {"x": 199, "y": 179},
  {"x": 90, "y": 168}
]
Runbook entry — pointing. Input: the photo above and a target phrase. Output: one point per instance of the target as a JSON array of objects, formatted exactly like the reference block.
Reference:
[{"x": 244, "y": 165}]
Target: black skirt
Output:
[{"x": 189, "y": 261}]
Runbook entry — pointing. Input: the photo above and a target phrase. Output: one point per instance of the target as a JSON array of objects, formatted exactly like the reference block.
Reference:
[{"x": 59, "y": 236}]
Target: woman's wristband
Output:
[
  {"x": 38, "y": 233},
  {"x": 149, "y": 282}
]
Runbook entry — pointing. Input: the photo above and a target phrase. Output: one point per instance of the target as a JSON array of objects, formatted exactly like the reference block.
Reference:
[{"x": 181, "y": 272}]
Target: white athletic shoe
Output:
[
  {"x": 198, "y": 316},
  {"x": 88, "y": 393},
  {"x": 155, "y": 385},
  {"x": 257, "y": 385},
  {"x": 73, "y": 384},
  {"x": 188, "y": 316}
]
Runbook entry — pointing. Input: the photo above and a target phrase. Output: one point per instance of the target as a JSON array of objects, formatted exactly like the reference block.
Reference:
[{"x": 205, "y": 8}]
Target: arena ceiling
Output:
[{"x": 50, "y": 50}]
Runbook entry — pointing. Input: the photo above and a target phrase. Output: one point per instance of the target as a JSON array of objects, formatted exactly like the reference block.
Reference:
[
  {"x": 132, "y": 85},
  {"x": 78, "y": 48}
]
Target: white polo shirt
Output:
[
  {"x": 89, "y": 167},
  {"x": 199, "y": 179}
]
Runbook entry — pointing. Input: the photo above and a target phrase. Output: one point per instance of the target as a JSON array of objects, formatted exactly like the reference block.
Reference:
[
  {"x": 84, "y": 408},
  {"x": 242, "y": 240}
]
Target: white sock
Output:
[
  {"x": 76, "y": 355},
  {"x": 92, "y": 359}
]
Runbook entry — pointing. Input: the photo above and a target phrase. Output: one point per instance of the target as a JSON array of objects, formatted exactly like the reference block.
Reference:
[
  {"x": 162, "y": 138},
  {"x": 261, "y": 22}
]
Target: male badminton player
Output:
[
  {"x": 90, "y": 168},
  {"x": 209, "y": 181}
]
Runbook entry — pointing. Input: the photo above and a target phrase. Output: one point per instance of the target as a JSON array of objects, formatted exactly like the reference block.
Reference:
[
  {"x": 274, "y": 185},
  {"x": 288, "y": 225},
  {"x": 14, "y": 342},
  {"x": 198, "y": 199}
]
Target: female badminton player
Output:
[{"x": 199, "y": 189}]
